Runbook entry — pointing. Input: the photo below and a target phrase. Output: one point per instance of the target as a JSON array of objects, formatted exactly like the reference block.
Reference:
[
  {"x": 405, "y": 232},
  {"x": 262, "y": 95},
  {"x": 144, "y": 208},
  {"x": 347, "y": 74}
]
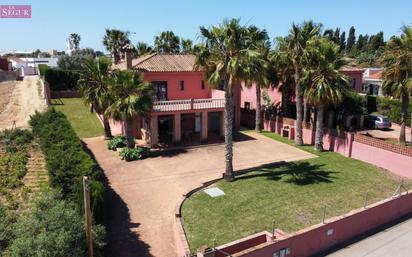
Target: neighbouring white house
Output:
[
  {"x": 372, "y": 81},
  {"x": 29, "y": 65}
]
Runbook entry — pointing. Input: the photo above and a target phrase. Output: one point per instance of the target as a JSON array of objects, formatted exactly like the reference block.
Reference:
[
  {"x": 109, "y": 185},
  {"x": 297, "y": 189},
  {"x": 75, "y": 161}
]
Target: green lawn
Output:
[
  {"x": 85, "y": 124},
  {"x": 293, "y": 194}
]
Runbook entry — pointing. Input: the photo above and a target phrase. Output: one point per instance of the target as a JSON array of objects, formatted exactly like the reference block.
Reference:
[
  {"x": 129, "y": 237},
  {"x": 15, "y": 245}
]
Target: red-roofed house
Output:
[
  {"x": 185, "y": 108},
  {"x": 372, "y": 81}
]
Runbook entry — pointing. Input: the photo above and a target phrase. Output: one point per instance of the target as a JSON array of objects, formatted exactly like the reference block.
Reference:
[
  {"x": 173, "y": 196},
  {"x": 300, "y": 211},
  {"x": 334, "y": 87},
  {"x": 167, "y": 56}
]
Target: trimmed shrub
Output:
[
  {"x": 132, "y": 154},
  {"x": 59, "y": 79},
  {"x": 43, "y": 68},
  {"x": 392, "y": 109},
  {"x": 66, "y": 159},
  {"x": 116, "y": 142}
]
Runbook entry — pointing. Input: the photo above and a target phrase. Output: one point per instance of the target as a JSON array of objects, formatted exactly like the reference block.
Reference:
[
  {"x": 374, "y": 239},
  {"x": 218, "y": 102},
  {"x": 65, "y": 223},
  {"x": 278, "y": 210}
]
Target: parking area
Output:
[
  {"x": 392, "y": 133},
  {"x": 394, "y": 241},
  {"x": 141, "y": 195}
]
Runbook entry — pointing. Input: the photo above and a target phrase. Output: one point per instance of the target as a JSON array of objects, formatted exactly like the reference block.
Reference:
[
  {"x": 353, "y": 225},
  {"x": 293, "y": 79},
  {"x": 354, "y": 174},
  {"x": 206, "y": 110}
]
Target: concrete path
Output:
[
  {"x": 394, "y": 242},
  {"x": 142, "y": 195}
]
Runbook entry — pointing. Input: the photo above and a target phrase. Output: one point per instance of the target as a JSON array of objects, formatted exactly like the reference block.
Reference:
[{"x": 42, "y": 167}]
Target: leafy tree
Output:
[
  {"x": 222, "y": 56},
  {"x": 342, "y": 41},
  {"x": 52, "y": 228},
  {"x": 336, "y": 36},
  {"x": 74, "y": 61},
  {"x": 397, "y": 76},
  {"x": 376, "y": 42},
  {"x": 167, "y": 42},
  {"x": 114, "y": 40},
  {"x": 74, "y": 41},
  {"x": 94, "y": 88},
  {"x": 351, "y": 39},
  {"x": 142, "y": 48},
  {"x": 131, "y": 97},
  {"x": 297, "y": 41},
  {"x": 329, "y": 34},
  {"x": 329, "y": 85},
  {"x": 187, "y": 46}
]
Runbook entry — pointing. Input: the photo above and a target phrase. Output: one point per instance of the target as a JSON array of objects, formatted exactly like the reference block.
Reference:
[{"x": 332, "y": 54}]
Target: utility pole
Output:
[{"x": 87, "y": 215}]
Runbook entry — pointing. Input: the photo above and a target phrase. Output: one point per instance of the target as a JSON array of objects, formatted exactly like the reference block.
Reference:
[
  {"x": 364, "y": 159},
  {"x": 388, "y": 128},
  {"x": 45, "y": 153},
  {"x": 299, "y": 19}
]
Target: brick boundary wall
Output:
[
  {"x": 399, "y": 149},
  {"x": 64, "y": 94}
]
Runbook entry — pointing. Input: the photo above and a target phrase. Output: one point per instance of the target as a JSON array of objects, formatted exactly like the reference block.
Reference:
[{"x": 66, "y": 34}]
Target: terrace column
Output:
[
  {"x": 154, "y": 137},
  {"x": 204, "y": 130},
  {"x": 222, "y": 124},
  {"x": 177, "y": 130}
]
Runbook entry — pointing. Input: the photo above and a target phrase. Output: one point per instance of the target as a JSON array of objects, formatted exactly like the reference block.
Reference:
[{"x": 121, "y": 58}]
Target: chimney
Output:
[{"x": 128, "y": 49}]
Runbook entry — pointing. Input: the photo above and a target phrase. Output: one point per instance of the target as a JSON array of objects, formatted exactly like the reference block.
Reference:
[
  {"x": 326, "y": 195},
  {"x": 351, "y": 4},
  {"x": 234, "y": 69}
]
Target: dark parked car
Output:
[{"x": 377, "y": 121}]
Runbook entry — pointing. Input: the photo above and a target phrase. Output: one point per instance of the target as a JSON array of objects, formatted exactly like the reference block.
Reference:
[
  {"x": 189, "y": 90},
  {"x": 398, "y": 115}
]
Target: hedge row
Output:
[
  {"x": 59, "y": 79},
  {"x": 392, "y": 109},
  {"x": 66, "y": 159}
]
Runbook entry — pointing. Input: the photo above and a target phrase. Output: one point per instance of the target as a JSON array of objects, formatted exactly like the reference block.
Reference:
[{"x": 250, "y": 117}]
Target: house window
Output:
[
  {"x": 159, "y": 90},
  {"x": 247, "y": 105},
  {"x": 353, "y": 83},
  {"x": 221, "y": 85},
  {"x": 202, "y": 84},
  {"x": 182, "y": 85}
]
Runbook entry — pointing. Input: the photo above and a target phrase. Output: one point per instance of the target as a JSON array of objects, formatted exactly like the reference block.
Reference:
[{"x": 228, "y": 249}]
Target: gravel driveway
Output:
[{"x": 142, "y": 195}]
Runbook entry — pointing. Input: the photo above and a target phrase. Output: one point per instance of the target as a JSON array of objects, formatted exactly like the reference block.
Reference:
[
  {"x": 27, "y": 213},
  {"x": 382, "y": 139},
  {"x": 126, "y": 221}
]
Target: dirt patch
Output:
[
  {"x": 25, "y": 98},
  {"x": 6, "y": 90}
]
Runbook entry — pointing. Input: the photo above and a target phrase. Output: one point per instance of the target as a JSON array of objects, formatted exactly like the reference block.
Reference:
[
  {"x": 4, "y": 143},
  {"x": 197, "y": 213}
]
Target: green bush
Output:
[
  {"x": 392, "y": 109},
  {"x": 43, "y": 68},
  {"x": 116, "y": 142},
  {"x": 66, "y": 159},
  {"x": 51, "y": 227},
  {"x": 61, "y": 79},
  {"x": 132, "y": 154}
]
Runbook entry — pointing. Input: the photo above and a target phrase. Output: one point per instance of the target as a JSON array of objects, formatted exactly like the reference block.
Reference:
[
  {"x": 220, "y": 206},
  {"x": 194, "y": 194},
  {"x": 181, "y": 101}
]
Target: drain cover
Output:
[{"x": 214, "y": 192}]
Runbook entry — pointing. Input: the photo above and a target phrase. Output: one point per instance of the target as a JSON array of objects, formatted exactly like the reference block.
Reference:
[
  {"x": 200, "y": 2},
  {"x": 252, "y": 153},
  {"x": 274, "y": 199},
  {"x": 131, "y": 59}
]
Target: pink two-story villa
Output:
[{"x": 185, "y": 108}]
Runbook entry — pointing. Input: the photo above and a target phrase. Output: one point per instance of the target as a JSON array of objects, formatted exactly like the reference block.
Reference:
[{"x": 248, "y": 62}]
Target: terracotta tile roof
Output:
[
  {"x": 349, "y": 68},
  {"x": 374, "y": 75},
  {"x": 162, "y": 63}
]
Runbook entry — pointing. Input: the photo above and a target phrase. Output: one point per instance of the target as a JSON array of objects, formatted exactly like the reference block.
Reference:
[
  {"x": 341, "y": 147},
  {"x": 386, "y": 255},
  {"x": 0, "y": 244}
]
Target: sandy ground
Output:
[
  {"x": 141, "y": 195},
  {"x": 26, "y": 97}
]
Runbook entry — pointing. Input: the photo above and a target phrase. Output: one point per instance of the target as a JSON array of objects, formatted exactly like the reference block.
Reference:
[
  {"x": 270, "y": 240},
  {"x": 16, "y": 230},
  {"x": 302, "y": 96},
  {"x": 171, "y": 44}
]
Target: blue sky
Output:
[{"x": 53, "y": 20}]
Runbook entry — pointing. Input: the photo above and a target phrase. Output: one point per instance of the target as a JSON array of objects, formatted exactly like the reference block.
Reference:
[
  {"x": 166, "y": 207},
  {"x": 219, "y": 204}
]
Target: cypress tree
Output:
[{"x": 351, "y": 39}]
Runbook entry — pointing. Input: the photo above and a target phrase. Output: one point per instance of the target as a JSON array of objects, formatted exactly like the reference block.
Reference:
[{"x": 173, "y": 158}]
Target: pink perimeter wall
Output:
[
  {"x": 192, "y": 84},
  {"x": 397, "y": 163},
  {"x": 337, "y": 230}
]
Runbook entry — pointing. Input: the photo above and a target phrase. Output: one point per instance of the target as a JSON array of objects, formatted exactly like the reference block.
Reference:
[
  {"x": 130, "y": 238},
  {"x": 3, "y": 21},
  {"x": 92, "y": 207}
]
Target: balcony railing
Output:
[{"x": 188, "y": 104}]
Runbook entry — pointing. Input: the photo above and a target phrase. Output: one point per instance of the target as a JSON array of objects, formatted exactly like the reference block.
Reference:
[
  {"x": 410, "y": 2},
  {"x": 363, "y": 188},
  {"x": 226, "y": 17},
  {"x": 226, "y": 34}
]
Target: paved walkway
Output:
[
  {"x": 394, "y": 242},
  {"x": 142, "y": 195}
]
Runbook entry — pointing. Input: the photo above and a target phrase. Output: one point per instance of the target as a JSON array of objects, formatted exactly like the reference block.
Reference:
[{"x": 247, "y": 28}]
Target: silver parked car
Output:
[{"x": 377, "y": 121}]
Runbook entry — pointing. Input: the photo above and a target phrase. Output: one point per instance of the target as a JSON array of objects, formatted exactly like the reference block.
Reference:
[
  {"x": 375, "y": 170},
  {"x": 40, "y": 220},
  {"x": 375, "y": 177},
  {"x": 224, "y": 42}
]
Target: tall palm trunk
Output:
[
  {"x": 319, "y": 129},
  {"x": 298, "y": 97},
  {"x": 305, "y": 110},
  {"x": 404, "y": 113},
  {"x": 229, "y": 176},
  {"x": 285, "y": 100},
  {"x": 258, "y": 122},
  {"x": 107, "y": 130},
  {"x": 129, "y": 134}
]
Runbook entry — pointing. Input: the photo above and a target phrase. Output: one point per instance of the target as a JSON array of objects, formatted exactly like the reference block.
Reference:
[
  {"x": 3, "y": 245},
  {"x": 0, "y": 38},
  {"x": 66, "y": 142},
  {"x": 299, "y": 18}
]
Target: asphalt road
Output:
[{"x": 395, "y": 241}]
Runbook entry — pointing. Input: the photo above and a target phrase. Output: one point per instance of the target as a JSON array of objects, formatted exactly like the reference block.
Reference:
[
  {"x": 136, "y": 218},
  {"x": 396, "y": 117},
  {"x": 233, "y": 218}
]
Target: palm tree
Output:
[
  {"x": 328, "y": 86},
  {"x": 142, "y": 48},
  {"x": 257, "y": 68},
  {"x": 167, "y": 42},
  {"x": 284, "y": 69},
  {"x": 397, "y": 76},
  {"x": 187, "y": 46},
  {"x": 222, "y": 55},
  {"x": 131, "y": 97},
  {"x": 297, "y": 42},
  {"x": 74, "y": 41},
  {"x": 94, "y": 88},
  {"x": 114, "y": 40}
]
